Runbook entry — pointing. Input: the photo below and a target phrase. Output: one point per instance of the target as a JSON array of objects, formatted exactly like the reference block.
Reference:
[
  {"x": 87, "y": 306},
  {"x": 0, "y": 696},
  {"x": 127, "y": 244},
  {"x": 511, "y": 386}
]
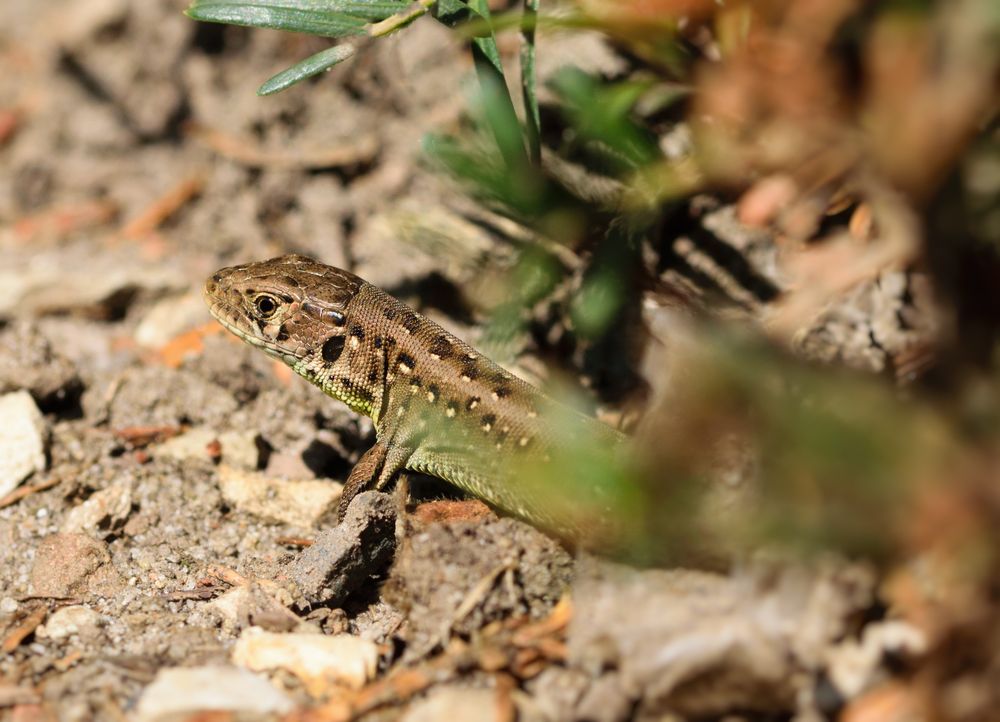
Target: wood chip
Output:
[
  {"x": 153, "y": 216},
  {"x": 139, "y": 436},
  {"x": 63, "y": 220},
  {"x": 357, "y": 151},
  {"x": 26, "y": 491},
  {"x": 23, "y": 630}
]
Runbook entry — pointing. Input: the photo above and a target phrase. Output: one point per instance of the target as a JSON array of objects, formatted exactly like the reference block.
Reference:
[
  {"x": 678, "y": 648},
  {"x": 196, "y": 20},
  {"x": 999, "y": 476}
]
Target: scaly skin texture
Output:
[{"x": 439, "y": 406}]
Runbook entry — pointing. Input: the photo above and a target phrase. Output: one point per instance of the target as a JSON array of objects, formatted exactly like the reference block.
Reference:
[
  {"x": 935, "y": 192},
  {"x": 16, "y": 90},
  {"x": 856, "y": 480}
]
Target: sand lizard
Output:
[{"x": 439, "y": 406}]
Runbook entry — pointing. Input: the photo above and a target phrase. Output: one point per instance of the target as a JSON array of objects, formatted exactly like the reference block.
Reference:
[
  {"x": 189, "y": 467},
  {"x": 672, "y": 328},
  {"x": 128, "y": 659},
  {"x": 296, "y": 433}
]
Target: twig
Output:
[
  {"x": 163, "y": 207},
  {"x": 25, "y": 491},
  {"x": 23, "y": 630},
  {"x": 242, "y": 150},
  {"x": 64, "y": 220}
]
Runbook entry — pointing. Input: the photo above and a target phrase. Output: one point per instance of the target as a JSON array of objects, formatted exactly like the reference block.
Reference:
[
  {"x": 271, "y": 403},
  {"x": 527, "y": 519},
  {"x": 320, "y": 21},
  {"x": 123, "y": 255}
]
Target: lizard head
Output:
[{"x": 292, "y": 307}]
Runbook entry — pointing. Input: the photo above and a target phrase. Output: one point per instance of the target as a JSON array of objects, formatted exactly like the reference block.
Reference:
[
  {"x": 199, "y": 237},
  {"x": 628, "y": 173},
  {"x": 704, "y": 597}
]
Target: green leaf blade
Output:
[
  {"x": 330, "y": 25},
  {"x": 313, "y": 65},
  {"x": 326, "y": 18}
]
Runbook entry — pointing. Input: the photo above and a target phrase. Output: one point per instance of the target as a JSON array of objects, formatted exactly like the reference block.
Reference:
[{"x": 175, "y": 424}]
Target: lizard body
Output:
[{"x": 439, "y": 406}]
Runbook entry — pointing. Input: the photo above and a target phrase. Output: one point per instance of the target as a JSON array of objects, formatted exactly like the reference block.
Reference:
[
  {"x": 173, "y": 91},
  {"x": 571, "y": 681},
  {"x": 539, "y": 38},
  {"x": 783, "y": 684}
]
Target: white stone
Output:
[
  {"x": 239, "y": 448},
  {"x": 111, "y": 505},
  {"x": 68, "y": 621},
  {"x": 8, "y": 605},
  {"x": 22, "y": 440},
  {"x": 317, "y": 659},
  {"x": 300, "y": 503},
  {"x": 232, "y": 605},
  {"x": 455, "y": 703},
  {"x": 180, "y": 692},
  {"x": 169, "y": 318}
]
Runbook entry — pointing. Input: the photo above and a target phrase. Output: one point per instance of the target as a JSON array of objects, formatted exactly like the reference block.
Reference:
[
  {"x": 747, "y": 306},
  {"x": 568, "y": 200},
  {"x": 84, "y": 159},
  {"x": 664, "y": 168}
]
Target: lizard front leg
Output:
[{"x": 375, "y": 469}]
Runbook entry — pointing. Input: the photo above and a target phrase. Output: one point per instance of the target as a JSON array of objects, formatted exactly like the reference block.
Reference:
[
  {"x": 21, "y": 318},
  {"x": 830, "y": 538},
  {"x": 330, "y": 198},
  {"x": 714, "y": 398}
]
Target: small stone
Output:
[
  {"x": 232, "y": 605},
  {"x": 345, "y": 557},
  {"x": 238, "y": 449},
  {"x": 456, "y": 703},
  {"x": 181, "y": 692},
  {"x": 855, "y": 666},
  {"x": 106, "y": 509},
  {"x": 298, "y": 503},
  {"x": 169, "y": 318},
  {"x": 28, "y": 362},
  {"x": 68, "y": 621},
  {"x": 71, "y": 564},
  {"x": 22, "y": 440},
  {"x": 8, "y": 605},
  {"x": 319, "y": 660}
]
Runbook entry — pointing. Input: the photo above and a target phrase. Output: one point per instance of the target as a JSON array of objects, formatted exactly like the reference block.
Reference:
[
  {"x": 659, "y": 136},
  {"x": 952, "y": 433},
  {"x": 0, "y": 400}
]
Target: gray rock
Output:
[
  {"x": 28, "y": 361},
  {"x": 343, "y": 558}
]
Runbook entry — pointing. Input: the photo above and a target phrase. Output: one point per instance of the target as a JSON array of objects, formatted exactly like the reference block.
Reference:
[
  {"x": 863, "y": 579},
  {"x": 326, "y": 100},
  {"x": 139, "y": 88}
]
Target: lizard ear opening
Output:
[
  {"x": 324, "y": 313},
  {"x": 332, "y": 348}
]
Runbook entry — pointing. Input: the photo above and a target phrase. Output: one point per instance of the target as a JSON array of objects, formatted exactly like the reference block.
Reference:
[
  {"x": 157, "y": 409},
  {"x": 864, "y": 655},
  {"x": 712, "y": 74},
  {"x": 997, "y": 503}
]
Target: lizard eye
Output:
[{"x": 265, "y": 306}]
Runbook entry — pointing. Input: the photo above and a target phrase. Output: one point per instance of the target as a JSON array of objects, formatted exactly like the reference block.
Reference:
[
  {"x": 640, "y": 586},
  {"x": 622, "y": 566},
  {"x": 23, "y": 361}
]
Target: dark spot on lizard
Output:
[
  {"x": 440, "y": 347},
  {"x": 410, "y": 321},
  {"x": 433, "y": 389},
  {"x": 469, "y": 368},
  {"x": 373, "y": 376},
  {"x": 378, "y": 342},
  {"x": 282, "y": 335},
  {"x": 390, "y": 313},
  {"x": 472, "y": 403},
  {"x": 406, "y": 360},
  {"x": 358, "y": 332},
  {"x": 332, "y": 348},
  {"x": 451, "y": 408},
  {"x": 502, "y": 391},
  {"x": 488, "y": 421}
]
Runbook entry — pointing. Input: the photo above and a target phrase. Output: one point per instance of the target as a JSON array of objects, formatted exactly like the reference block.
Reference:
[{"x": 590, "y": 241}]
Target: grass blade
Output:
[{"x": 313, "y": 65}]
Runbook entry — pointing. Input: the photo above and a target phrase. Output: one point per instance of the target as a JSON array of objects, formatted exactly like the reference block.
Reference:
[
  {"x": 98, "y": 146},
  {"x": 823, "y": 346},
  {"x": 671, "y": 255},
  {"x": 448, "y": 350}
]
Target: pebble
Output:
[
  {"x": 456, "y": 703},
  {"x": 69, "y": 564},
  {"x": 68, "y": 621},
  {"x": 238, "y": 449},
  {"x": 181, "y": 692},
  {"x": 299, "y": 503},
  {"x": 107, "y": 508},
  {"x": 317, "y": 659},
  {"x": 22, "y": 440}
]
